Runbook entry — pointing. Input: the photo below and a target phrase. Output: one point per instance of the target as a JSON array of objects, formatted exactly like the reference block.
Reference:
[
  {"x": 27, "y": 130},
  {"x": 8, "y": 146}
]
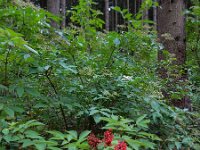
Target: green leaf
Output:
[
  {"x": 33, "y": 123},
  {"x": 40, "y": 146},
  {"x": 133, "y": 143},
  {"x": 84, "y": 146},
  {"x": 73, "y": 134},
  {"x": 92, "y": 112},
  {"x": 20, "y": 91},
  {"x": 32, "y": 92},
  {"x": 10, "y": 112},
  {"x": 7, "y": 138},
  {"x": 141, "y": 118},
  {"x": 30, "y": 49},
  {"x": 27, "y": 143},
  {"x": 147, "y": 144},
  {"x": 71, "y": 146},
  {"x": 57, "y": 135},
  {"x": 117, "y": 8},
  {"x": 53, "y": 148},
  {"x": 83, "y": 135},
  {"x": 97, "y": 118},
  {"x": 5, "y": 131},
  {"x": 32, "y": 134},
  {"x": 155, "y": 105},
  {"x": 68, "y": 67},
  {"x": 69, "y": 137},
  {"x": 149, "y": 135},
  {"x": 141, "y": 122},
  {"x": 178, "y": 145}
]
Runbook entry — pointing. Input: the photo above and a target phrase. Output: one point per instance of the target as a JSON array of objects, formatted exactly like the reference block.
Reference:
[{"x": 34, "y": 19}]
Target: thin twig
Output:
[
  {"x": 60, "y": 106},
  {"x": 109, "y": 59}
]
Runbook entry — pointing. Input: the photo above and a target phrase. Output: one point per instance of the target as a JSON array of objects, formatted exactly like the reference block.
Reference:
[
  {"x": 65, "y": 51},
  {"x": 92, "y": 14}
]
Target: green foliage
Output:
[
  {"x": 56, "y": 85},
  {"x": 193, "y": 48},
  {"x": 29, "y": 135},
  {"x": 133, "y": 132},
  {"x": 85, "y": 16}
]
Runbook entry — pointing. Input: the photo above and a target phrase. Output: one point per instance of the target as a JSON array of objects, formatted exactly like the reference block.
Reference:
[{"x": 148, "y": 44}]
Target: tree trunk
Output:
[
  {"x": 53, "y": 6},
  {"x": 107, "y": 25},
  {"x": 128, "y": 5},
  {"x": 155, "y": 14},
  {"x": 63, "y": 13},
  {"x": 171, "y": 33},
  {"x": 116, "y": 17}
]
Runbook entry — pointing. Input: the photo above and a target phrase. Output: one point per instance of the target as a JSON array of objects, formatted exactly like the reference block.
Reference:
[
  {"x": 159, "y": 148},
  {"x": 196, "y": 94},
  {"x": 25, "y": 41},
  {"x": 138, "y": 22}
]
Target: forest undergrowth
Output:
[{"x": 86, "y": 88}]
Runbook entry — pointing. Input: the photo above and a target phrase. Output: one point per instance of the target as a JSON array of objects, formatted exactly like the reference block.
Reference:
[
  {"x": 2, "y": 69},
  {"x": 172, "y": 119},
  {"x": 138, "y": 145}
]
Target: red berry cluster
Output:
[
  {"x": 121, "y": 146},
  {"x": 93, "y": 141},
  {"x": 108, "y": 137}
]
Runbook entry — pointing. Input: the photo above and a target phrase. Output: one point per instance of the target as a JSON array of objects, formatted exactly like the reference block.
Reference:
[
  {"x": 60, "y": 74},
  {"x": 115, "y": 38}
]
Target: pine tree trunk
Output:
[
  {"x": 116, "y": 17},
  {"x": 53, "y": 6},
  {"x": 63, "y": 13},
  {"x": 171, "y": 32},
  {"x": 155, "y": 14},
  {"x": 107, "y": 25},
  {"x": 128, "y": 5}
]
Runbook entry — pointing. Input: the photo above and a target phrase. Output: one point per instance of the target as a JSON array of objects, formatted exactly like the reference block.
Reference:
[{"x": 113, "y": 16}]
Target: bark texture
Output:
[
  {"x": 107, "y": 20},
  {"x": 155, "y": 15},
  {"x": 53, "y": 6},
  {"x": 63, "y": 13},
  {"x": 171, "y": 33},
  {"x": 116, "y": 17}
]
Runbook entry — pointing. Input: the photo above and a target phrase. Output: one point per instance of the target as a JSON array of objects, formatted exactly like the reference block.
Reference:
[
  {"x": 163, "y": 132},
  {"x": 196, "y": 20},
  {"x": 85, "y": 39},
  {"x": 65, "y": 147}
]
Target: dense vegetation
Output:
[{"x": 59, "y": 86}]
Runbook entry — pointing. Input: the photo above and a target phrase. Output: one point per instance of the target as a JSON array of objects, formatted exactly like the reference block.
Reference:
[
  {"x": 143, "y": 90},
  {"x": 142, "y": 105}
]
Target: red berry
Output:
[
  {"x": 108, "y": 137},
  {"x": 93, "y": 141},
  {"x": 121, "y": 146}
]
